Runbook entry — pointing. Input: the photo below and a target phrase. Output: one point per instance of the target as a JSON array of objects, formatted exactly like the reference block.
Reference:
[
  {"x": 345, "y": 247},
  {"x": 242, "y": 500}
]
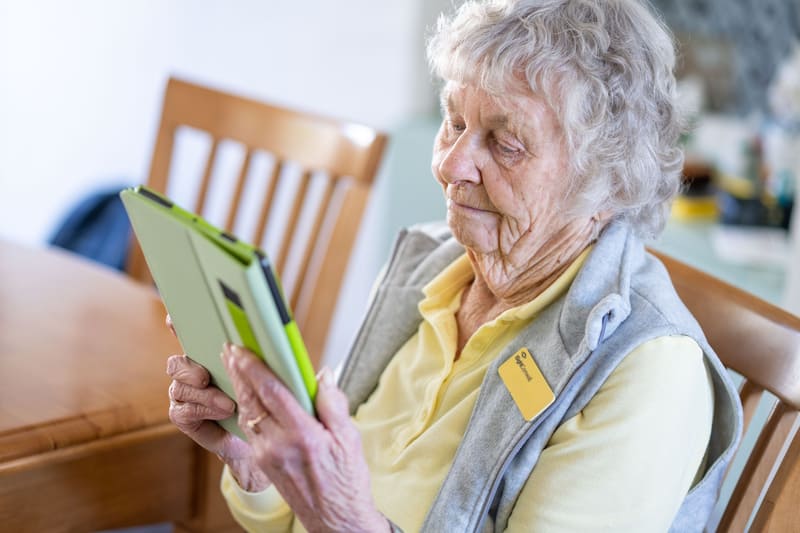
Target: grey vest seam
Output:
[{"x": 652, "y": 306}]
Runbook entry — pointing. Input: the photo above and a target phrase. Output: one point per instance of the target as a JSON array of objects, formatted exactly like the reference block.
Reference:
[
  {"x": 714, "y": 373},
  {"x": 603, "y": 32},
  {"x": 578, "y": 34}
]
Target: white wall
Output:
[
  {"x": 81, "y": 82},
  {"x": 81, "y": 85}
]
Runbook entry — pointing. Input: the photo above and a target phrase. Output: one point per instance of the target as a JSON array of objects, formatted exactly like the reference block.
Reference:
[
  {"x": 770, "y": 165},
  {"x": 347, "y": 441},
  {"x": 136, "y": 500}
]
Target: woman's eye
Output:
[
  {"x": 505, "y": 148},
  {"x": 456, "y": 127}
]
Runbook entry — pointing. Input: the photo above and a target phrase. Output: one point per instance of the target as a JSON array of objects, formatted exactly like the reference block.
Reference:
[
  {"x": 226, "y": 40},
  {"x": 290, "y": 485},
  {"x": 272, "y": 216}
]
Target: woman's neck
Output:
[
  {"x": 498, "y": 287},
  {"x": 499, "y": 284}
]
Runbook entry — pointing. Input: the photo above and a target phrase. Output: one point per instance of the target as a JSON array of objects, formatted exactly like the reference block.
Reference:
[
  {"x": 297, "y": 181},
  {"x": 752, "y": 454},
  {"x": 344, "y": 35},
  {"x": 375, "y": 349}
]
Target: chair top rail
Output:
[
  {"x": 752, "y": 337},
  {"x": 300, "y": 137}
]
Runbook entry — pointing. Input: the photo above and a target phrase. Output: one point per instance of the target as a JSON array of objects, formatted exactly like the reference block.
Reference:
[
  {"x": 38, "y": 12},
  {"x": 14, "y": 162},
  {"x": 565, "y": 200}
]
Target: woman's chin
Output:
[{"x": 473, "y": 236}]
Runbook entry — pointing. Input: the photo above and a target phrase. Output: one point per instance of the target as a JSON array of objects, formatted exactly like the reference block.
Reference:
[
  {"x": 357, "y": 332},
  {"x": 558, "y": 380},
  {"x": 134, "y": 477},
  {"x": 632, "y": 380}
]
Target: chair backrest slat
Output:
[
  {"x": 266, "y": 205},
  {"x": 750, "y": 395},
  {"x": 317, "y": 299},
  {"x": 779, "y": 509},
  {"x": 318, "y": 145},
  {"x": 237, "y": 194},
  {"x": 290, "y": 229},
  {"x": 313, "y": 237},
  {"x": 205, "y": 181},
  {"x": 757, "y": 470}
]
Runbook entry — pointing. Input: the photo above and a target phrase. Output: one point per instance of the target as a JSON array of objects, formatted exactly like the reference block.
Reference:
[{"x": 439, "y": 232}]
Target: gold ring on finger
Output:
[{"x": 253, "y": 423}]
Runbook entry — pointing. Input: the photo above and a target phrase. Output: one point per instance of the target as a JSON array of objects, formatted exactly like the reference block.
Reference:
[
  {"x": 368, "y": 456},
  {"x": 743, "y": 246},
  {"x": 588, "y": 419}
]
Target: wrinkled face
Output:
[{"x": 502, "y": 164}]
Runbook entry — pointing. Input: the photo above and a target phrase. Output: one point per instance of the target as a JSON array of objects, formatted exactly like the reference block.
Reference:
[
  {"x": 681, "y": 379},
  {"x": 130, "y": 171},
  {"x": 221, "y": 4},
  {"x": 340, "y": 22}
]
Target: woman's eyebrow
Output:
[
  {"x": 509, "y": 124},
  {"x": 504, "y": 122},
  {"x": 499, "y": 122},
  {"x": 446, "y": 102}
]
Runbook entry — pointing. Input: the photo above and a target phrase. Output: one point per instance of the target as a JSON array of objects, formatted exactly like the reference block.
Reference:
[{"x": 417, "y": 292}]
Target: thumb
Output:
[
  {"x": 331, "y": 403},
  {"x": 170, "y": 325}
]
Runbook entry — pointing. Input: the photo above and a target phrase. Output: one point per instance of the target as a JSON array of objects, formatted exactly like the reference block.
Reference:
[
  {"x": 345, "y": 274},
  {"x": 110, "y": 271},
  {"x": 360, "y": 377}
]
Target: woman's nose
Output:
[{"x": 458, "y": 161}]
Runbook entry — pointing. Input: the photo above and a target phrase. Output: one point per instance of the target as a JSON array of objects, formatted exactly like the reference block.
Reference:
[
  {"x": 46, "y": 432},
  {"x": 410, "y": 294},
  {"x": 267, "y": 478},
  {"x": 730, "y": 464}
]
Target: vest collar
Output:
[{"x": 598, "y": 300}]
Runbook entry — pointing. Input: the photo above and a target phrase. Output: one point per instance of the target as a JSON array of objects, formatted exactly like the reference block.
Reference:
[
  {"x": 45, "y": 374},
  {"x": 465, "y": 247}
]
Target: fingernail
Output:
[
  {"x": 325, "y": 377},
  {"x": 227, "y": 356},
  {"x": 237, "y": 357},
  {"x": 224, "y": 403}
]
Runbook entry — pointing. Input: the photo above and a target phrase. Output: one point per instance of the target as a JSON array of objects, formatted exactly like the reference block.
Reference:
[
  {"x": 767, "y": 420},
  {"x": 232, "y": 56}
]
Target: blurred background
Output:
[{"x": 81, "y": 85}]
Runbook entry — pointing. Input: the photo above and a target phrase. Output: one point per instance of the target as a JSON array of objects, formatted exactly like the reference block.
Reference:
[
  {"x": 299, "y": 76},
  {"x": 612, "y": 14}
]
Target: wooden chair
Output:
[
  {"x": 348, "y": 154},
  {"x": 760, "y": 342}
]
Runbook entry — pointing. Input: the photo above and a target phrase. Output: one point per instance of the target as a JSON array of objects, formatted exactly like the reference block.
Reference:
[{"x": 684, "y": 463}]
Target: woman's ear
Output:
[{"x": 600, "y": 220}]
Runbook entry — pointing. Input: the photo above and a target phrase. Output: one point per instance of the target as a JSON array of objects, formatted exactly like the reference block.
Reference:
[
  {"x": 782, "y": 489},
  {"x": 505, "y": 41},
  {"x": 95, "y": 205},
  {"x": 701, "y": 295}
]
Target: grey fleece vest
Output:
[{"x": 621, "y": 298}]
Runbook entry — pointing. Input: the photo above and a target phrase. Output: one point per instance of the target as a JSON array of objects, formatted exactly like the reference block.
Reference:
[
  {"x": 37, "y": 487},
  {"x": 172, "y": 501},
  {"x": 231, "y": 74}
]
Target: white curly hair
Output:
[{"x": 606, "y": 69}]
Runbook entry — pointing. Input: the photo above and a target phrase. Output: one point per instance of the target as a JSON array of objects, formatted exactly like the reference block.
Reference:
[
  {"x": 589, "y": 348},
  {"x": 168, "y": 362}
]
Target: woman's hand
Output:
[
  {"x": 194, "y": 406},
  {"x": 317, "y": 465}
]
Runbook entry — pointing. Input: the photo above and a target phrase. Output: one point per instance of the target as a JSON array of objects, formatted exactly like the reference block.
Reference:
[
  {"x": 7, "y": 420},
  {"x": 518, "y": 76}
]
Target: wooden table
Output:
[{"x": 85, "y": 442}]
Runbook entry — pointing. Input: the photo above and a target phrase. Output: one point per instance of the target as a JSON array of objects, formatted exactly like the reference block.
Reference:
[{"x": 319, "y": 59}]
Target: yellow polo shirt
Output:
[{"x": 623, "y": 464}]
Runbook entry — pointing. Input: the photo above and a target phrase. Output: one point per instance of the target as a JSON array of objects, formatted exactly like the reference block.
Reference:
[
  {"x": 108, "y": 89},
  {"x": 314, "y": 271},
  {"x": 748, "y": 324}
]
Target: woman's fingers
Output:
[
  {"x": 319, "y": 468},
  {"x": 189, "y": 414},
  {"x": 198, "y": 423},
  {"x": 181, "y": 368},
  {"x": 259, "y": 390},
  {"x": 251, "y": 410},
  {"x": 211, "y": 397},
  {"x": 192, "y": 402},
  {"x": 332, "y": 405},
  {"x": 194, "y": 411},
  {"x": 171, "y": 327},
  {"x": 245, "y": 395}
]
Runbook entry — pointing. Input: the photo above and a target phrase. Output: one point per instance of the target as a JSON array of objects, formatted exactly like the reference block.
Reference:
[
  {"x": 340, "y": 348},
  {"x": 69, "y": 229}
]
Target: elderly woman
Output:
[{"x": 527, "y": 366}]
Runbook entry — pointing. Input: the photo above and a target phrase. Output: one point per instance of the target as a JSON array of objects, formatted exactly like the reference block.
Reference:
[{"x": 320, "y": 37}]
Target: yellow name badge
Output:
[{"x": 526, "y": 384}]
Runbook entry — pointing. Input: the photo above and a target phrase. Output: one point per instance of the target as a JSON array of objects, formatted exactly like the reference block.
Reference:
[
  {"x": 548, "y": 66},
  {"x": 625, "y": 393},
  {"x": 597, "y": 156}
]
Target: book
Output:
[{"x": 219, "y": 289}]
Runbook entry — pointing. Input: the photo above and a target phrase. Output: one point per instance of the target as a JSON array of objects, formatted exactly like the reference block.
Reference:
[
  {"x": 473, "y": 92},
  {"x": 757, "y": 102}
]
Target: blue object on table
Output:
[{"x": 97, "y": 228}]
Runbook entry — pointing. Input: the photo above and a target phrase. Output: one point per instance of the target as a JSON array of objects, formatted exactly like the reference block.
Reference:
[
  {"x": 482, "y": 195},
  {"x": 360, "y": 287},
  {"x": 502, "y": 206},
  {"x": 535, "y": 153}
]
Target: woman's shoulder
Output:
[
  {"x": 661, "y": 387},
  {"x": 672, "y": 357},
  {"x": 661, "y": 377}
]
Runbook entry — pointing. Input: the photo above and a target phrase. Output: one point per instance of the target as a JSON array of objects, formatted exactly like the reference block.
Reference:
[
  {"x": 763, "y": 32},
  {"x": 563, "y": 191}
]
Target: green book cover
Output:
[{"x": 216, "y": 291}]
